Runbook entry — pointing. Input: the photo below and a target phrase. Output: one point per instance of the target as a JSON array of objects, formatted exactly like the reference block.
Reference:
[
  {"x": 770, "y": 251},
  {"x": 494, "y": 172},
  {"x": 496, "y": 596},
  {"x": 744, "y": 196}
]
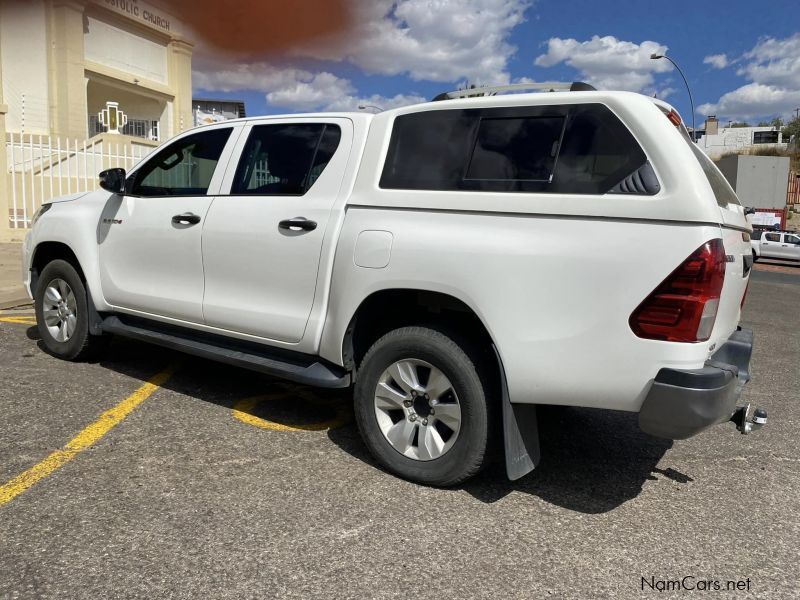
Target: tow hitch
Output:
[{"x": 747, "y": 422}]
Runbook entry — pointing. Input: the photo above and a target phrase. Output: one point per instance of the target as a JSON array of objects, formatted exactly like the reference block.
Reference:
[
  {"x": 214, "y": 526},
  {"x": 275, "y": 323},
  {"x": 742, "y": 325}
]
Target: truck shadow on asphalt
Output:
[{"x": 592, "y": 460}]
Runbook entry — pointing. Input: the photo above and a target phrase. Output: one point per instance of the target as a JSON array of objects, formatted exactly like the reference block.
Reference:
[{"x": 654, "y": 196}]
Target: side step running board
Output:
[{"x": 306, "y": 370}]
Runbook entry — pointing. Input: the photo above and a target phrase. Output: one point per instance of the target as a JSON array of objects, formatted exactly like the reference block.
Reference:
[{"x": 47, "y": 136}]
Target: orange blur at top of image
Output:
[
  {"x": 263, "y": 26},
  {"x": 259, "y": 26}
]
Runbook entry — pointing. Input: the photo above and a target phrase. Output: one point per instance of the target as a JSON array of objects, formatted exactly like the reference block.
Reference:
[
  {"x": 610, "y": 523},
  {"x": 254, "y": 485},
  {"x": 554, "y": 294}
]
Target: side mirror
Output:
[
  {"x": 749, "y": 210},
  {"x": 113, "y": 180}
]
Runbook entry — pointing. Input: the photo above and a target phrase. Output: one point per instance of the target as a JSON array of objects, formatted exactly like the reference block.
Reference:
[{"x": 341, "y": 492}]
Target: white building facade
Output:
[
  {"x": 63, "y": 60},
  {"x": 716, "y": 141},
  {"x": 85, "y": 85}
]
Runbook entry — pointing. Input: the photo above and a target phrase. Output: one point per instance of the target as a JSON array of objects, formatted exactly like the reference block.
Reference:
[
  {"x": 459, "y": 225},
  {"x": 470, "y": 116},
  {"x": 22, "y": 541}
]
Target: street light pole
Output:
[{"x": 656, "y": 56}]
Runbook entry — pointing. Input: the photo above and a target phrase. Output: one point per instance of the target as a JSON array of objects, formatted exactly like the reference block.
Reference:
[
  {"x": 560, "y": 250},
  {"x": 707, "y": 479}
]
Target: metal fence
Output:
[
  {"x": 793, "y": 192},
  {"x": 142, "y": 128},
  {"x": 41, "y": 168}
]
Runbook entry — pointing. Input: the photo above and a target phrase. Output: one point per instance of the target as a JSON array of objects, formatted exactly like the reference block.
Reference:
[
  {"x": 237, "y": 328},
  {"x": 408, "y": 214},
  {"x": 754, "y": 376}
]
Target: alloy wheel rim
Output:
[
  {"x": 60, "y": 310},
  {"x": 417, "y": 409}
]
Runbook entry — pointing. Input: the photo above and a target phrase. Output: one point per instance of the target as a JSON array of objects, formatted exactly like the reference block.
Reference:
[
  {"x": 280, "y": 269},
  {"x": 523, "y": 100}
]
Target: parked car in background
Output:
[
  {"x": 778, "y": 244},
  {"x": 420, "y": 255}
]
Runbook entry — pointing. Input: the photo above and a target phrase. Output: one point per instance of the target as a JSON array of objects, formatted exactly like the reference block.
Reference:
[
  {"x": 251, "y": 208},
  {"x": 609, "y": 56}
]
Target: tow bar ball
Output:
[{"x": 747, "y": 423}]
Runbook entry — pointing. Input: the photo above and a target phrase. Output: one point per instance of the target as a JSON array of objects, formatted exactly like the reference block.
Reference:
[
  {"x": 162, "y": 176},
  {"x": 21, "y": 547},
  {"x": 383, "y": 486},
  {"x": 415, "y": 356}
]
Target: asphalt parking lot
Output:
[{"x": 221, "y": 483}]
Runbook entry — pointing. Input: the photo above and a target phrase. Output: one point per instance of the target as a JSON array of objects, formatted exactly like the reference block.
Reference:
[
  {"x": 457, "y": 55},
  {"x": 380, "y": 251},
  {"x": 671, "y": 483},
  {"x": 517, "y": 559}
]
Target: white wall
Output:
[
  {"x": 116, "y": 48},
  {"x": 24, "y": 49},
  {"x": 732, "y": 139}
]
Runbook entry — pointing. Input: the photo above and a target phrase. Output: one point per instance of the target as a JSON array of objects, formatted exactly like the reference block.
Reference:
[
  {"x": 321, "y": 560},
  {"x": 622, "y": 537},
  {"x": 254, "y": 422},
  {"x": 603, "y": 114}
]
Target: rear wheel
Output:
[
  {"x": 62, "y": 314},
  {"x": 755, "y": 256},
  {"x": 421, "y": 407}
]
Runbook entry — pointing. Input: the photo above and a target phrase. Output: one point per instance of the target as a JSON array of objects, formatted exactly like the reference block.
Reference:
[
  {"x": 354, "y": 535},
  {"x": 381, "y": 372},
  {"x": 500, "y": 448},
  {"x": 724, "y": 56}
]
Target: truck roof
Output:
[{"x": 564, "y": 96}]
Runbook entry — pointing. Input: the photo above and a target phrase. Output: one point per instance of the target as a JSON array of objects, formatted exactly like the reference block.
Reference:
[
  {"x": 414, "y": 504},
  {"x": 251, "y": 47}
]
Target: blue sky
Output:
[{"x": 742, "y": 59}]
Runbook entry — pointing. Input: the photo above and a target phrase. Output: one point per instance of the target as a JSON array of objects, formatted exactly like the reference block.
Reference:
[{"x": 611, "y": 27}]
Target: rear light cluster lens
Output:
[
  {"x": 684, "y": 306},
  {"x": 674, "y": 117}
]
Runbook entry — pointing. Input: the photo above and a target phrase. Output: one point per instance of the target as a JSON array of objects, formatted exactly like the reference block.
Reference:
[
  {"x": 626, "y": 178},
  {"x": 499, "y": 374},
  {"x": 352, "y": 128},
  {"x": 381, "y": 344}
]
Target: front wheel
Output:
[
  {"x": 421, "y": 407},
  {"x": 62, "y": 314}
]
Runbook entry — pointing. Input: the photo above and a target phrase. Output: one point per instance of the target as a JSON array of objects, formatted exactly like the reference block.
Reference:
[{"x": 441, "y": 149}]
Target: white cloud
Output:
[
  {"x": 439, "y": 40},
  {"x": 444, "y": 40},
  {"x": 608, "y": 63},
  {"x": 347, "y": 103},
  {"x": 753, "y": 100},
  {"x": 294, "y": 89},
  {"x": 311, "y": 92},
  {"x": 773, "y": 70},
  {"x": 774, "y": 62},
  {"x": 218, "y": 75},
  {"x": 718, "y": 61}
]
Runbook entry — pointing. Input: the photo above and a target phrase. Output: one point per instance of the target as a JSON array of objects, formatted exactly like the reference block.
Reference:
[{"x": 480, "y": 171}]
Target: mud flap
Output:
[{"x": 520, "y": 432}]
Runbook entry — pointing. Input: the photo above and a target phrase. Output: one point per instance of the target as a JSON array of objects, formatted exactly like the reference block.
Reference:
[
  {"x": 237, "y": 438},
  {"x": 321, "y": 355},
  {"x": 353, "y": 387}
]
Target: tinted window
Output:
[
  {"x": 284, "y": 160},
  {"x": 597, "y": 153},
  {"x": 791, "y": 239},
  {"x": 765, "y": 137},
  {"x": 184, "y": 168},
  {"x": 772, "y": 237},
  {"x": 515, "y": 149},
  {"x": 582, "y": 149}
]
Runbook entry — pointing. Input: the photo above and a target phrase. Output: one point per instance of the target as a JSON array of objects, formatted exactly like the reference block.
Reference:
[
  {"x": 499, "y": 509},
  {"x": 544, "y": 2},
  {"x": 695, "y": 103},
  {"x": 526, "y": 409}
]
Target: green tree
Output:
[
  {"x": 792, "y": 129},
  {"x": 739, "y": 124}
]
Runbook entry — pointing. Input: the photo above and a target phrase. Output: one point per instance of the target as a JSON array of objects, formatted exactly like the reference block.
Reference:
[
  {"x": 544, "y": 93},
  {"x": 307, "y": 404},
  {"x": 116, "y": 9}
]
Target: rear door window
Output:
[
  {"x": 284, "y": 159},
  {"x": 772, "y": 237}
]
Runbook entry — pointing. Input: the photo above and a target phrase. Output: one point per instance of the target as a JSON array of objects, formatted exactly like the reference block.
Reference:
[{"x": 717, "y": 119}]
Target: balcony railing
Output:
[{"x": 141, "y": 128}]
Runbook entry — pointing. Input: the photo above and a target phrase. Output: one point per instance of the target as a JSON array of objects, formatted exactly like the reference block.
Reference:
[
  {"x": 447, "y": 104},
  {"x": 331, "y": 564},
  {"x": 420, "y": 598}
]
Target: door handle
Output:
[
  {"x": 186, "y": 219},
  {"x": 298, "y": 224}
]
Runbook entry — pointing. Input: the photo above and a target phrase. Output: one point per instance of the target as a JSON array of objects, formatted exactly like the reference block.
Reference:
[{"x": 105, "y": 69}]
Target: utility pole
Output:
[{"x": 797, "y": 112}]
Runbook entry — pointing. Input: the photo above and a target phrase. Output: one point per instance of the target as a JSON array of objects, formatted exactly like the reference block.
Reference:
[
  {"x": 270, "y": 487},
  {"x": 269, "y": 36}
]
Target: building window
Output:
[{"x": 765, "y": 137}]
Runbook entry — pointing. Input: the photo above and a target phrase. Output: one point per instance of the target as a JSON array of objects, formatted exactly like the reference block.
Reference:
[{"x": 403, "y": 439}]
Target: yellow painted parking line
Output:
[
  {"x": 85, "y": 439},
  {"x": 19, "y": 320},
  {"x": 243, "y": 410}
]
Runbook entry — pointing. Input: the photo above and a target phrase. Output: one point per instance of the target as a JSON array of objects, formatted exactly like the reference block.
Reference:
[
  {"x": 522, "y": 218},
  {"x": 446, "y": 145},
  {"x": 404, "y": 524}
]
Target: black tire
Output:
[
  {"x": 470, "y": 450},
  {"x": 755, "y": 256},
  {"x": 80, "y": 343}
]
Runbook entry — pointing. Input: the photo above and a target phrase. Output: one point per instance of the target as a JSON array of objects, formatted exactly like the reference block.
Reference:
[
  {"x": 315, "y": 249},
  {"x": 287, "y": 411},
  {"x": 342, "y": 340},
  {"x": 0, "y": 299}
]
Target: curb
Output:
[
  {"x": 13, "y": 298},
  {"x": 20, "y": 302}
]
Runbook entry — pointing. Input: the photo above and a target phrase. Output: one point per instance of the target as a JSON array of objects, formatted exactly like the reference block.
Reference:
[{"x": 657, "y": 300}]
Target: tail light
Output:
[
  {"x": 674, "y": 118},
  {"x": 683, "y": 307}
]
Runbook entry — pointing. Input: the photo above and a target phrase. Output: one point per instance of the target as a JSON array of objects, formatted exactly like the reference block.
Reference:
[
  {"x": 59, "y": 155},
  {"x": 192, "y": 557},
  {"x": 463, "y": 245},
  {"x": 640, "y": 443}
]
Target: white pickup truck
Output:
[
  {"x": 784, "y": 245},
  {"x": 458, "y": 262}
]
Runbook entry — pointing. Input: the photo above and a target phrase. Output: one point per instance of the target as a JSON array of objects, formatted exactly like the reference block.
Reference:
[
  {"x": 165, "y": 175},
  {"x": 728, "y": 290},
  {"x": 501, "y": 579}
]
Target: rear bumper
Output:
[{"x": 682, "y": 403}]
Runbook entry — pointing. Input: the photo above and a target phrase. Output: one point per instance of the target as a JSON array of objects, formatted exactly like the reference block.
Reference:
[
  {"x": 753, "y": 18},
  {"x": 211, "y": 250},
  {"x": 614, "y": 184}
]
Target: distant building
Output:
[
  {"x": 207, "y": 110},
  {"x": 716, "y": 141}
]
